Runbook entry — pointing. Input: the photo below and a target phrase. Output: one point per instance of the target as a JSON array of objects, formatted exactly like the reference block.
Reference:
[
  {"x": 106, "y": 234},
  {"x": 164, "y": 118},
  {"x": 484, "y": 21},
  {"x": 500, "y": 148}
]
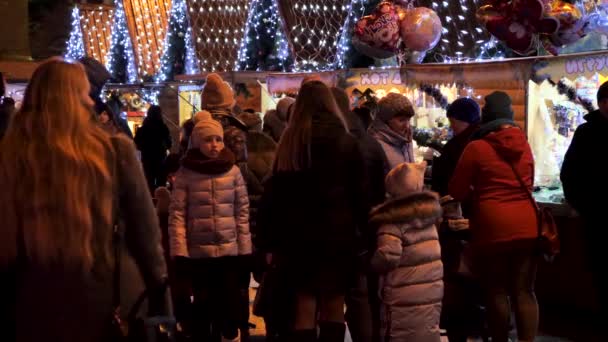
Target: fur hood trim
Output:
[{"x": 417, "y": 209}]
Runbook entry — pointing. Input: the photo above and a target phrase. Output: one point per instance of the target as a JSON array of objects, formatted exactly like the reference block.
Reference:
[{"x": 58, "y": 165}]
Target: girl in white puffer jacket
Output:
[{"x": 209, "y": 229}]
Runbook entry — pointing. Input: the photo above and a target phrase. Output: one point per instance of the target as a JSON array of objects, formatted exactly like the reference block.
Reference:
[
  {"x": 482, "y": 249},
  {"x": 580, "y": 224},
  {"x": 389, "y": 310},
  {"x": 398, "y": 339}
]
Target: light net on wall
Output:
[
  {"x": 218, "y": 26},
  {"x": 314, "y": 30},
  {"x": 148, "y": 21}
]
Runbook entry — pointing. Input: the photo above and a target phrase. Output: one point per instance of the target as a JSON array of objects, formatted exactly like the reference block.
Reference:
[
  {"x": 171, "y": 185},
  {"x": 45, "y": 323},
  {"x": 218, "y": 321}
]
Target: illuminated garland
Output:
[
  {"x": 75, "y": 46},
  {"x": 178, "y": 55},
  {"x": 570, "y": 92},
  {"x": 264, "y": 46},
  {"x": 120, "y": 61},
  {"x": 435, "y": 94}
]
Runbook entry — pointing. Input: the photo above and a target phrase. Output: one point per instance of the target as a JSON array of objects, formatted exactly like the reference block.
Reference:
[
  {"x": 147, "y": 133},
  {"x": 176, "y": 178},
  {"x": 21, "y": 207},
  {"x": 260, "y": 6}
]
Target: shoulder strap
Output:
[
  {"x": 523, "y": 186},
  {"x": 116, "y": 238}
]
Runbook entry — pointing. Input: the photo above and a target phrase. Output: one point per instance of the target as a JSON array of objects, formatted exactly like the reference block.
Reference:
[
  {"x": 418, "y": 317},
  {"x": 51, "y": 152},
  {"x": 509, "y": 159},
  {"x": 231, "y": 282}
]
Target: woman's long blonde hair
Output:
[
  {"x": 55, "y": 181},
  {"x": 293, "y": 152}
]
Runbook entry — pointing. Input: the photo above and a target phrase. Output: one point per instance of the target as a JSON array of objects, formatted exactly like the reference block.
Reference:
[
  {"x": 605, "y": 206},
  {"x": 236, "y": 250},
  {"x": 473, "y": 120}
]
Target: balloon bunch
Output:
[
  {"x": 393, "y": 29},
  {"x": 524, "y": 25}
]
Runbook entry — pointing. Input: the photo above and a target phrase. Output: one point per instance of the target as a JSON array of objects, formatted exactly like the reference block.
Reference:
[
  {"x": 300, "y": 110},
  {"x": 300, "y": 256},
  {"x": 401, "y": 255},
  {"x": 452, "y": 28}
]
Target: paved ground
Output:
[{"x": 556, "y": 326}]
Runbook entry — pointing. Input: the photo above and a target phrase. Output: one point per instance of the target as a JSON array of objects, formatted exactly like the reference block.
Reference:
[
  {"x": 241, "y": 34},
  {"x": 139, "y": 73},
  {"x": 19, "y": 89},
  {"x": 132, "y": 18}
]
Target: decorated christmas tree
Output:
[
  {"x": 179, "y": 56},
  {"x": 264, "y": 46},
  {"x": 120, "y": 61}
]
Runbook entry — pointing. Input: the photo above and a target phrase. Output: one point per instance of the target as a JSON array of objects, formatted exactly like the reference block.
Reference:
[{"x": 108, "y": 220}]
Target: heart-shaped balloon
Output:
[
  {"x": 421, "y": 29},
  {"x": 378, "y": 31}
]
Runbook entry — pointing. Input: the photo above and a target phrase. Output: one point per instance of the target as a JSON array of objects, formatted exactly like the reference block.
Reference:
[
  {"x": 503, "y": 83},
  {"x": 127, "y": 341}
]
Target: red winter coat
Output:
[{"x": 502, "y": 211}]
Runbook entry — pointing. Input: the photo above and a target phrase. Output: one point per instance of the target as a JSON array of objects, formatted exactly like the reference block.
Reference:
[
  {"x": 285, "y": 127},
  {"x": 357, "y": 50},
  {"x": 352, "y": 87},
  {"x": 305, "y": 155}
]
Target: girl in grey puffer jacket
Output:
[
  {"x": 209, "y": 229},
  {"x": 408, "y": 256}
]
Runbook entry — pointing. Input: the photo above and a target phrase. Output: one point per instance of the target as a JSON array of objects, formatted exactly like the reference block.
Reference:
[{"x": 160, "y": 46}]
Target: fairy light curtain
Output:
[
  {"x": 218, "y": 27},
  {"x": 314, "y": 31},
  {"x": 147, "y": 21},
  {"x": 463, "y": 37},
  {"x": 95, "y": 29}
]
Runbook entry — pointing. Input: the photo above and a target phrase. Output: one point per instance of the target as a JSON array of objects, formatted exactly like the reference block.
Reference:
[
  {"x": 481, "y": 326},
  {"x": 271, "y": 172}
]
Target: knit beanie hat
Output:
[
  {"x": 394, "y": 105},
  {"x": 497, "y": 107},
  {"x": 283, "y": 107},
  {"x": 200, "y": 115},
  {"x": 405, "y": 179},
  {"x": 464, "y": 109},
  {"x": 216, "y": 93},
  {"x": 205, "y": 126}
]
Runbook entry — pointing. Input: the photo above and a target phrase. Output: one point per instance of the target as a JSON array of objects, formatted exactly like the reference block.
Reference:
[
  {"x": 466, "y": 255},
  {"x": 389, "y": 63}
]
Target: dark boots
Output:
[{"x": 331, "y": 331}]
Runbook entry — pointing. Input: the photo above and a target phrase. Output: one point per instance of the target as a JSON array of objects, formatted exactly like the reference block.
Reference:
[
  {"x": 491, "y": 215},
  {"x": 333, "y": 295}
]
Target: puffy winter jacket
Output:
[
  {"x": 409, "y": 257},
  {"x": 500, "y": 209},
  {"x": 397, "y": 148},
  {"x": 209, "y": 215}
]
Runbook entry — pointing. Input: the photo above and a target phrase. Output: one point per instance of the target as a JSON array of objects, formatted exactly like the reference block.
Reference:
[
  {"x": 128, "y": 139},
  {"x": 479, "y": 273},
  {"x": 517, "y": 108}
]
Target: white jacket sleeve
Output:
[
  {"x": 388, "y": 253},
  {"x": 241, "y": 214},
  {"x": 178, "y": 243}
]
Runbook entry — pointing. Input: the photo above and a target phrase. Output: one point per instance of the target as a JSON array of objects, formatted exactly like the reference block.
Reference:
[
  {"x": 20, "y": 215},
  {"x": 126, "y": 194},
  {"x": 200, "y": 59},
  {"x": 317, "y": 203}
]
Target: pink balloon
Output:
[{"x": 420, "y": 29}]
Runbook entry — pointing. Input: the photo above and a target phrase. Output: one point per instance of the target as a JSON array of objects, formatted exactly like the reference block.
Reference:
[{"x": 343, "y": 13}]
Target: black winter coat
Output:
[
  {"x": 309, "y": 219},
  {"x": 585, "y": 168},
  {"x": 153, "y": 139}
]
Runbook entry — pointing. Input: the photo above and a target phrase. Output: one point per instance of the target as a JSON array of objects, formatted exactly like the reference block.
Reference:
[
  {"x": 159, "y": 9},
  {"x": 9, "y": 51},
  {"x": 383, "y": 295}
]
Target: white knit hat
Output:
[
  {"x": 205, "y": 126},
  {"x": 405, "y": 179}
]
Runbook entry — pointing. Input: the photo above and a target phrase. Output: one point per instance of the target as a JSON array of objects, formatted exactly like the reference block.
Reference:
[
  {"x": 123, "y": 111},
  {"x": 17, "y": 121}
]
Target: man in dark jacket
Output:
[
  {"x": 464, "y": 119},
  {"x": 464, "y": 116},
  {"x": 585, "y": 185}
]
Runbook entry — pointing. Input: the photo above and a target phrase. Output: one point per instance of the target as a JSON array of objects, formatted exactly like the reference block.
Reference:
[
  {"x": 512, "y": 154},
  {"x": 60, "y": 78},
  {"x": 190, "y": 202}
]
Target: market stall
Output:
[{"x": 560, "y": 93}]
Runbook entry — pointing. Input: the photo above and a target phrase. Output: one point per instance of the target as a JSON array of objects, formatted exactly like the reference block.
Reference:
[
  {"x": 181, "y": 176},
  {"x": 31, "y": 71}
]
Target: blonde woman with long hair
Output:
[
  {"x": 65, "y": 183},
  {"x": 311, "y": 210}
]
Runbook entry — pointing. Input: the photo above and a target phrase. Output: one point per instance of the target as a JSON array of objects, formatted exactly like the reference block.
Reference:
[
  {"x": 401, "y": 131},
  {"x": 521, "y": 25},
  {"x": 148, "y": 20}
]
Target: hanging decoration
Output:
[
  {"x": 392, "y": 29},
  {"x": 527, "y": 25},
  {"x": 120, "y": 61},
  {"x": 90, "y": 33},
  {"x": 179, "y": 56},
  {"x": 75, "y": 45},
  {"x": 264, "y": 46},
  {"x": 570, "y": 92},
  {"x": 436, "y": 94},
  {"x": 377, "y": 35},
  {"x": 420, "y": 29},
  {"x": 147, "y": 22},
  {"x": 218, "y": 28}
]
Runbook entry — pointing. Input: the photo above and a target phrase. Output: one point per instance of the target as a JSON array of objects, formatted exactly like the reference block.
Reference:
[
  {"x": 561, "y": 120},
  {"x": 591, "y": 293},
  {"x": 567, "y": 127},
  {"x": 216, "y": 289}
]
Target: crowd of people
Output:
[{"x": 322, "y": 202}]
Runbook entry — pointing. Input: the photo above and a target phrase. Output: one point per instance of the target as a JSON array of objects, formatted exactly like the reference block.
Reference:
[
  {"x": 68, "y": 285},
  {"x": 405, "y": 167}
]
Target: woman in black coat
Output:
[
  {"x": 311, "y": 210},
  {"x": 153, "y": 140}
]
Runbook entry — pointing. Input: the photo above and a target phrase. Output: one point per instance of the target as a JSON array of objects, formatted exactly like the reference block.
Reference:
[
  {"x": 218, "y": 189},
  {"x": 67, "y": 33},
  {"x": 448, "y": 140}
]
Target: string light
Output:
[
  {"x": 177, "y": 41},
  {"x": 121, "y": 49},
  {"x": 149, "y": 34},
  {"x": 357, "y": 10},
  {"x": 75, "y": 46},
  {"x": 464, "y": 38},
  {"x": 219, "y": 27},
  {"x": 264, "y": 46}
]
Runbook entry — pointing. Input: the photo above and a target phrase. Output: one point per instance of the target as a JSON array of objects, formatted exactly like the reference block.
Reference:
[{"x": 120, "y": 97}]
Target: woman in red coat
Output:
[{"x": 503, "y": 221}]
